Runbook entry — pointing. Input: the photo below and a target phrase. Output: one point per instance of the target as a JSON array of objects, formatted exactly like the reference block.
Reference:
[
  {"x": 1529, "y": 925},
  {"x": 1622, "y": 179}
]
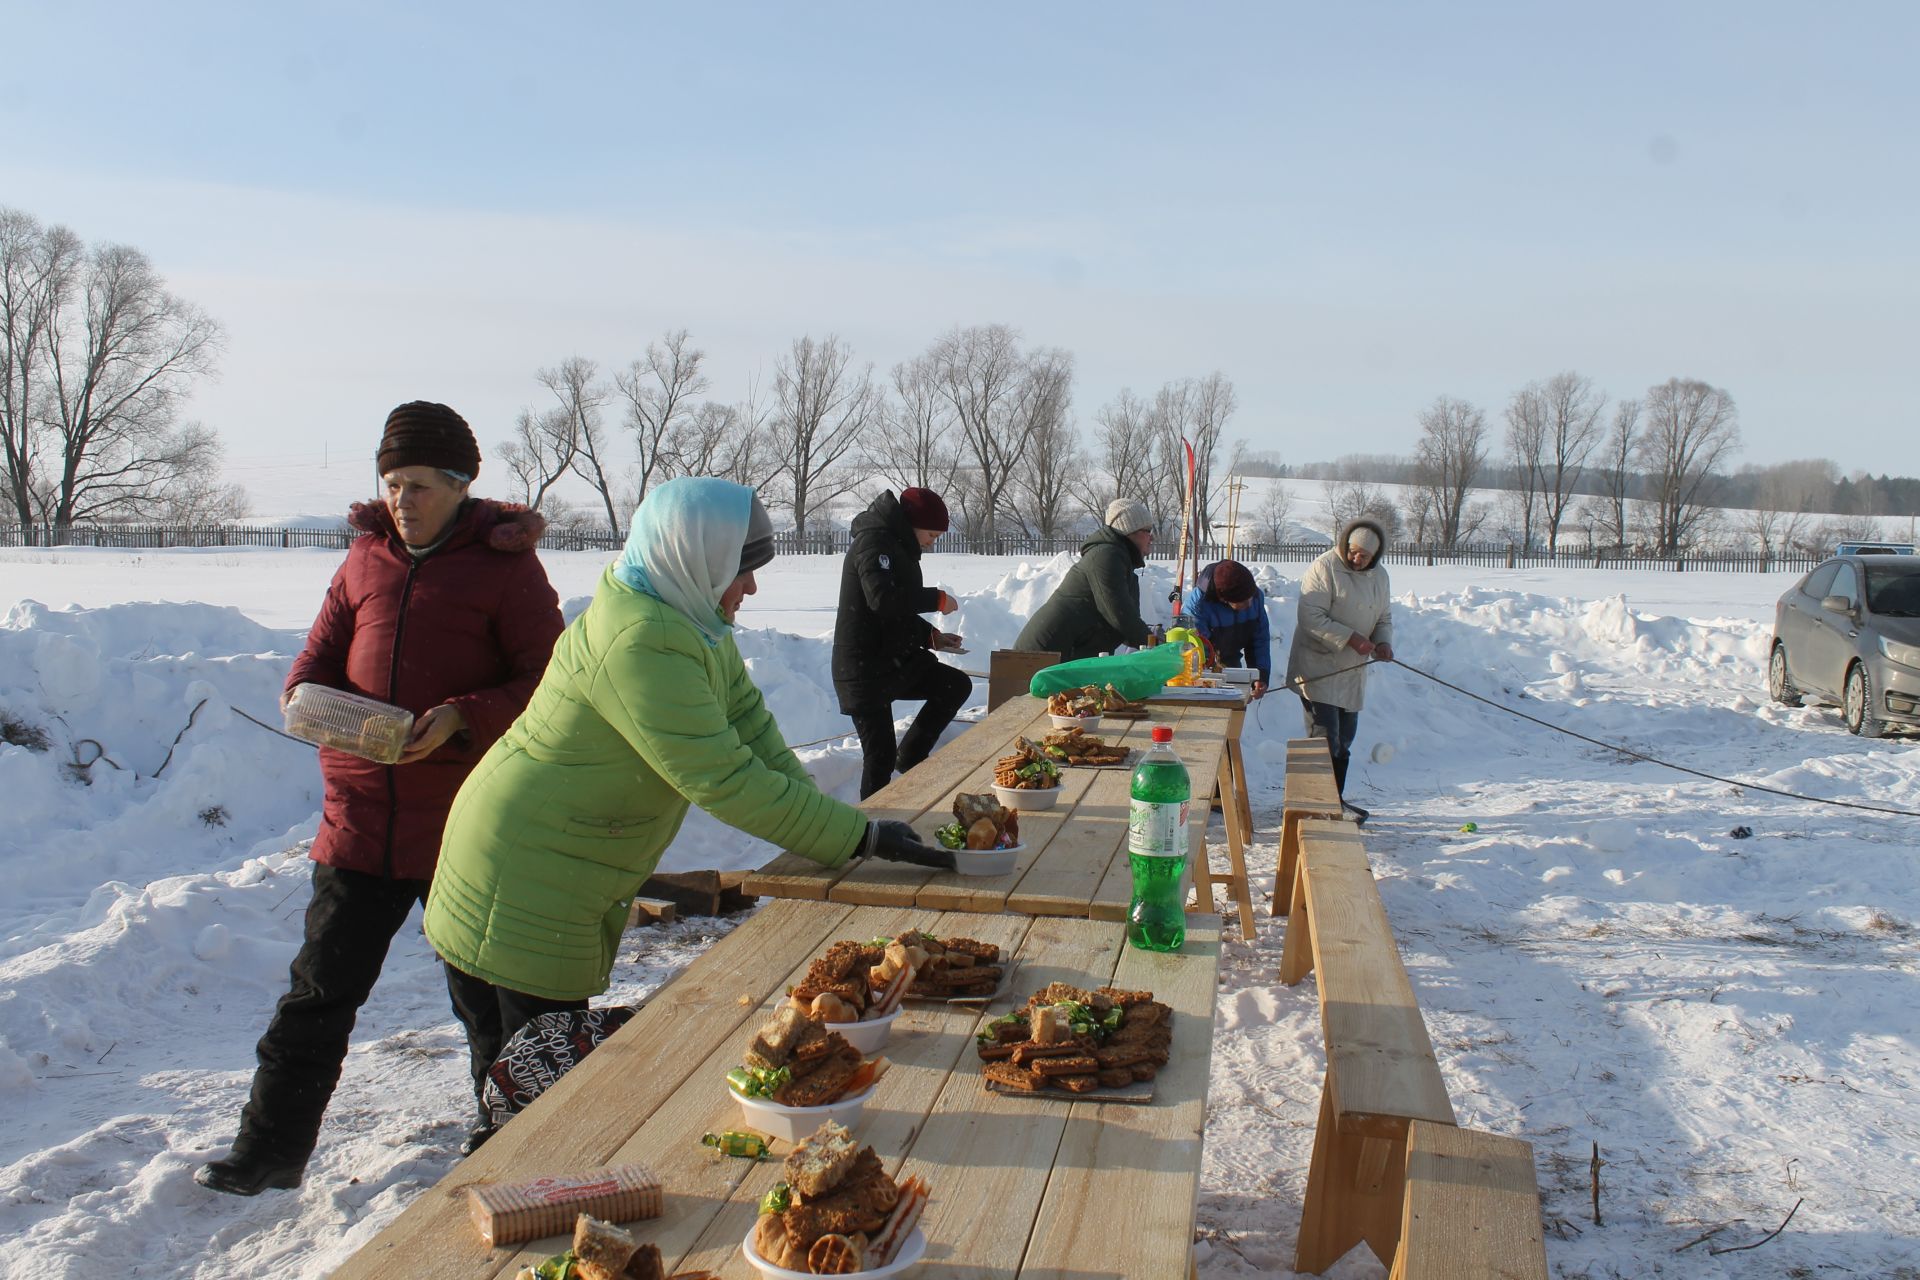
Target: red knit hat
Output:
[
  {"x": 1232, "y": 582},
  {"x": 925, "y": 510}
]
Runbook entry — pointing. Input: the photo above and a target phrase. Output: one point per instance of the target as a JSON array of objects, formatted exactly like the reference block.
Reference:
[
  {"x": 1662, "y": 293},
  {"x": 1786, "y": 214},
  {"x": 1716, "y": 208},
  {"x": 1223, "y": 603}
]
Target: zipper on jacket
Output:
[{"x": 393, "y": 684}]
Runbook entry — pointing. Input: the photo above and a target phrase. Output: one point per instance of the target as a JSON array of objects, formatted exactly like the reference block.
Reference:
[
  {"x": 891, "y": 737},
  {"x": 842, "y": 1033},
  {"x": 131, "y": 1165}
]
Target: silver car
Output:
[{"x": 1849, "y": 633}]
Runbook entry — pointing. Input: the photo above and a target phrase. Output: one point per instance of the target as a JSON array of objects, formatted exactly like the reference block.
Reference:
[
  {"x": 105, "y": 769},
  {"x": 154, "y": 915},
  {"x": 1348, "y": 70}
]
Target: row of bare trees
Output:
[
  {"x": 1657, "y": 461},
  {"x": 97, "y": 358},
  {"x": 983, "y": 419}
]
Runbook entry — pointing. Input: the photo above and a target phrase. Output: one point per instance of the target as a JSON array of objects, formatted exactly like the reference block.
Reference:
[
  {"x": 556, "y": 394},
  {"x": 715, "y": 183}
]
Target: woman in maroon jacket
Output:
[{"x": 442, "y": 608}]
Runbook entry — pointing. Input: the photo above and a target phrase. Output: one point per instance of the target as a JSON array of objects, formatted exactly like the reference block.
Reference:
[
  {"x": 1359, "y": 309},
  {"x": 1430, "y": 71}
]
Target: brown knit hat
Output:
[
  {"x": 423, "y": 433},
  {"x": 1232, "y": 582}
]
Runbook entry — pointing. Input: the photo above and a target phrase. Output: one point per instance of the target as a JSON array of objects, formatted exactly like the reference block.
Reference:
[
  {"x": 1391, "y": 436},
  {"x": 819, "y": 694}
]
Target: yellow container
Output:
[{"x": 348, "y": 722}]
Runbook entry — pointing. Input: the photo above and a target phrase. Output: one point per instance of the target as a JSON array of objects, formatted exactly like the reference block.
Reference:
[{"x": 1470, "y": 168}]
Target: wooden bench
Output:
[
  {"x": 1472, "y": 1208},
  {"x": 1333, "y": 843},
  {"x": 1381, "y": 1072},
  {"x": 1309, "y": 794},
  {"x": 1010, "y": 672}
]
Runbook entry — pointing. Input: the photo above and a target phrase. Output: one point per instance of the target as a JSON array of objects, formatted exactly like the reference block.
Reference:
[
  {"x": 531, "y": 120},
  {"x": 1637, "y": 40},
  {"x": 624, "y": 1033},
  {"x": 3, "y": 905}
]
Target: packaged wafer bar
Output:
[{"x": 509, "y": 1212}]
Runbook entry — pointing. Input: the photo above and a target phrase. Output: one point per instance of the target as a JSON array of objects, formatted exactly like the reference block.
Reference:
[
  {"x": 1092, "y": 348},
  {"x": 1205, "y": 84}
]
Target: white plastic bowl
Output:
[
  {"x": 986, "y": 862},
  {"x": 869, "y": 1035},
  {"x": 912, "y": 1249},
  {"x": 1018, "y": 798},
  {"x": 791, "y": 1124},
  {"x": 1088, "y": 723}
]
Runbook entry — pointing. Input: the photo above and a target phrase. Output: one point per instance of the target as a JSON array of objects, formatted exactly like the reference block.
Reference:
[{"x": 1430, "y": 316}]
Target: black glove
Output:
[{"x": 898, "y": 842}]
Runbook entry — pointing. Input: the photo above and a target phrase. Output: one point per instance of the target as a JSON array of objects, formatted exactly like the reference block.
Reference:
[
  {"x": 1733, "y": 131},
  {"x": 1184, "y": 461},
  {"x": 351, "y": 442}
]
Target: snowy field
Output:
[{"x": 1733, "y": 1021}]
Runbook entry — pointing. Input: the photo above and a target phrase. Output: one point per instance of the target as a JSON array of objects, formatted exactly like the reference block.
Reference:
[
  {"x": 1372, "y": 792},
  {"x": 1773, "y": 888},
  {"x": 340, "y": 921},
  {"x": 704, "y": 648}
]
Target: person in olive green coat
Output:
[
  {"x": 645, "y": 708},
  {"x": 1097, "y": 606}
]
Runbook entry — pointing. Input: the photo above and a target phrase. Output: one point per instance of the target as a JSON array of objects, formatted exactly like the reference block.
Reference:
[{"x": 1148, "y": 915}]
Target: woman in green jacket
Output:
[{"x": 644, "y": 709}]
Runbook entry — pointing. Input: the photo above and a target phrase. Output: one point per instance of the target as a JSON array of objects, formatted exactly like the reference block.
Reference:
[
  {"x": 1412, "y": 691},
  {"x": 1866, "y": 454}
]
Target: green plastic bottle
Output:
[{"x": 1157, "y": 846}]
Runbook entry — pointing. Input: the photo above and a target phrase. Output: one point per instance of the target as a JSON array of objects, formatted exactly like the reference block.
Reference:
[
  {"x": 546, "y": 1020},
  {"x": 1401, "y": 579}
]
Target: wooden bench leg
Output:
[
  {"x": 1355, "y": 1187},
  {"x": 1296, "y": 950},
  {"x": 1237, "y": 830},
  {"x": 1289, "y": 855},
  {"x": 1202, "y": 866}
]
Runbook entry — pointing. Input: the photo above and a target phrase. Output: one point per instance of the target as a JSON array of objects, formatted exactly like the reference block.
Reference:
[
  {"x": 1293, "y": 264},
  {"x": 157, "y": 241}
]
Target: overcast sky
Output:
[{"x": 1348, "y": 209}]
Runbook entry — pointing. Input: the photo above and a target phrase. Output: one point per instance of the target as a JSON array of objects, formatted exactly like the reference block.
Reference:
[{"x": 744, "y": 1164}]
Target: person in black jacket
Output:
[{"x": 882, "y": 647}]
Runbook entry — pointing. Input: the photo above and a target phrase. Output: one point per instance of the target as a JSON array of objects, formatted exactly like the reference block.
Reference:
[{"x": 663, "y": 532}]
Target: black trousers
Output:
[
  {"x": 1337, "y": 725},
  {"x": 350, "y": 924},
  {"x": 491, "y": 1016},
  {"x": 942, "y": 688}
]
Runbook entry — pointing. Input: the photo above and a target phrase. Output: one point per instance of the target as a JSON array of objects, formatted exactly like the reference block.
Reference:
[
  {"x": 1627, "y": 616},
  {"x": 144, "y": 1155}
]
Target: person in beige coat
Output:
[{"x": 1346, "y": 619}]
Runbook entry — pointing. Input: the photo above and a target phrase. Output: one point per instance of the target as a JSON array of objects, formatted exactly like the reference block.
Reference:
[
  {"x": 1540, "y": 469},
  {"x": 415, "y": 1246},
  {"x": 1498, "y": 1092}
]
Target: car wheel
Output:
[
  {"x": 1779, "y": 683},
  {"x": 1859, "y": 704}
]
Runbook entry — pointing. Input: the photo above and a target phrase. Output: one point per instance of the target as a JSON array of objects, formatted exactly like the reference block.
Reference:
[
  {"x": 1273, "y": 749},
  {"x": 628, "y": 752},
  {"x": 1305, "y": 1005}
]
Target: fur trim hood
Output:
[
  {"x": 1350, "y": 528},
  {"x": 504, "y": 526}
]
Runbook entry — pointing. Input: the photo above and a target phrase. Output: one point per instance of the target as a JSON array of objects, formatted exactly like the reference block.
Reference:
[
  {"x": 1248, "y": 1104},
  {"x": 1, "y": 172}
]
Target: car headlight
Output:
[{"x": 1906, "y": 655}]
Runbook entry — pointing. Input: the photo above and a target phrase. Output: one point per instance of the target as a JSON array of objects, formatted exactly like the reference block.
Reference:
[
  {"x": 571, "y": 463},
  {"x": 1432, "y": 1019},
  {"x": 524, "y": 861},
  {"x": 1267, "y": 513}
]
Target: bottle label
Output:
[{"x": 1154, "y": 830}]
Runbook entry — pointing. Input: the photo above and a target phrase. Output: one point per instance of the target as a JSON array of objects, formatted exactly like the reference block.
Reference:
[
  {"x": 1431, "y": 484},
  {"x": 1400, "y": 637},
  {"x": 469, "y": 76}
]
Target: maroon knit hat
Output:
[
  {"x": 925, "y": 510},
  {"x": 1232, "y": 582},
  {"x": 422, "y": 433}
]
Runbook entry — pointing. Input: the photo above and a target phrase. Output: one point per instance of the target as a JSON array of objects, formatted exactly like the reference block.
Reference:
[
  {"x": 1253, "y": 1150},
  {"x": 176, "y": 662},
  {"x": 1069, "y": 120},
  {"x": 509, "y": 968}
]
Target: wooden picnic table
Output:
[
  {"x": 1075, "y": 861},
  {"x": 1021, "y": 1186}
]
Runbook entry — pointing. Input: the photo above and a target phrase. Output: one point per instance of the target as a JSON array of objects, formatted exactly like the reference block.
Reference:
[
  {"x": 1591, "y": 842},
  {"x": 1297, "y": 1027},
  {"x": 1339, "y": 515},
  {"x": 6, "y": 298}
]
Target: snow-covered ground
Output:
[{"x": 1731, "y": 1020}]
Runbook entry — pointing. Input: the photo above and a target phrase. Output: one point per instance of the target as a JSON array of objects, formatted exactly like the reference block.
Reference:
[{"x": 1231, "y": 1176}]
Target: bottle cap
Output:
[{"x": 1163, "y": 733}]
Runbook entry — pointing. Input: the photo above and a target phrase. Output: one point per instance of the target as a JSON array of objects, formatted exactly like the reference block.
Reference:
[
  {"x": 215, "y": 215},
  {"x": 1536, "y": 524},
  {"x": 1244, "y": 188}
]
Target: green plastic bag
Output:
[{"x": 1135, "y": 675}]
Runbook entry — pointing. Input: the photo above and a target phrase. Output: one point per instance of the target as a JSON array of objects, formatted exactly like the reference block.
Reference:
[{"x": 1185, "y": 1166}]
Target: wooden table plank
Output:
[
  {"x": 642, "y": 1066},
  {"x": 1198, "y": 739},
  {"x": 906, "y": 798},
  {"x": 1472, "y": 1207},
  {"x": 927, "y": 1043},
  {"x": 1138, "y": 1165},
  {"x": 986, "y": 1155}
]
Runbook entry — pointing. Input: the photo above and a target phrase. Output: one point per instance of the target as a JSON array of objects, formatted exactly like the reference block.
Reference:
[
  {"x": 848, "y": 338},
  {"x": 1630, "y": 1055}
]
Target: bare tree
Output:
[
  {"x": 121, "y": 355},
  {"x": 656, "y": 389},
  {"x": 1526, "y": 451},
  {"x": 1211, "y": 401},
  {"x": 725, "y": 440},
  {"x": 912, "y": 443},
  {"x": 37, "y": 269},
  {"x": 1691, "y": 428},
  {"x": 821, "y": 409},
  {"x": 199, "y": 498},
  {"x": 1451, "y": 453},
  {"x": 580, "y": 395},
  {"x": 1054, "y": 458},
  {"x": 1573, "y": 431},
  {"x": 1273, "y": 518},
  {"x": 980, "y": 371},
  {"x": 541, "y": 451},
  {"x": 1122, "y": 453},
  {"x": 1349, "y": 500},
  {"x": 1622, "y": 442}
]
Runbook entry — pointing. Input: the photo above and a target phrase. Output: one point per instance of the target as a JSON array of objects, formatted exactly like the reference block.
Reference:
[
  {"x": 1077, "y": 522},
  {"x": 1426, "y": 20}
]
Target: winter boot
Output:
[
  {"x": 250, "y": 1173},
  {"x": 477, "y": 1138}
]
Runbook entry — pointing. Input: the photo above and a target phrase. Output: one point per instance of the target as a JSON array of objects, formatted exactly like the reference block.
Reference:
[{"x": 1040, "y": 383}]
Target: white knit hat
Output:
[
  {"x": 1126, "y": 515},
  {"x": 1365, "y": 539}
]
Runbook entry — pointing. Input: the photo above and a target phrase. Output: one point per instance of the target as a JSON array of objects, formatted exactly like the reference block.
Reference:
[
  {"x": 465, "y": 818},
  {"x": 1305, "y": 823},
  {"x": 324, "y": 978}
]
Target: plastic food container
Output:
[
  {"x": 1240, "y": 675},
  {"x": 1020, "y": 798},
  {"x": 912, "y": 1249},
  {"x": 790, "y": 1124},
  {"x": 348, "y": 722},
  {"x": 869, "y": 1035},
  {"x": 986, "y": 862},
  {"x": 1089, "y": 723}
]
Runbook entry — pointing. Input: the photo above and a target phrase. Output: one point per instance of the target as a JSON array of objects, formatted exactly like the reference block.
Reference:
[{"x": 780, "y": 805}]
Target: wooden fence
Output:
[{"x": 836, "y": 542}]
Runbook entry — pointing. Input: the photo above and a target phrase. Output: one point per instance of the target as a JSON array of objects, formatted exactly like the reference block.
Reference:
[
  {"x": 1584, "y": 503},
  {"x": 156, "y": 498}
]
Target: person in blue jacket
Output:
[{"x": 1226, "y": 606}]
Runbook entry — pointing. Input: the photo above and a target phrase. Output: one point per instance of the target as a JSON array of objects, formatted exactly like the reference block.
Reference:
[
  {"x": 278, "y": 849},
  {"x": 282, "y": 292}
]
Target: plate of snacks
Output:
[
  {"x": 837, "y": 1213},
  {"x": 1081, "y": 749},
  {"x": 798, "y": 1073},
  {"x": 1091, "y": 701},
  {"x": 955, "y": 970},
  {"x": 1103, "y": 1045},
  {"x": 1027, "y": 779},
  {"x": 855, "y": 989},
  {"x": 601, "y": 1251},
  {"x": 984, "y": 836}
]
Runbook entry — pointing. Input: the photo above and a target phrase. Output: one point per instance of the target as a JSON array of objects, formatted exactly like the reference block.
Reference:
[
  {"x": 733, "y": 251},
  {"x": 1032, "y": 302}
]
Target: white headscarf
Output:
[{"x": 684, "y": 547}]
